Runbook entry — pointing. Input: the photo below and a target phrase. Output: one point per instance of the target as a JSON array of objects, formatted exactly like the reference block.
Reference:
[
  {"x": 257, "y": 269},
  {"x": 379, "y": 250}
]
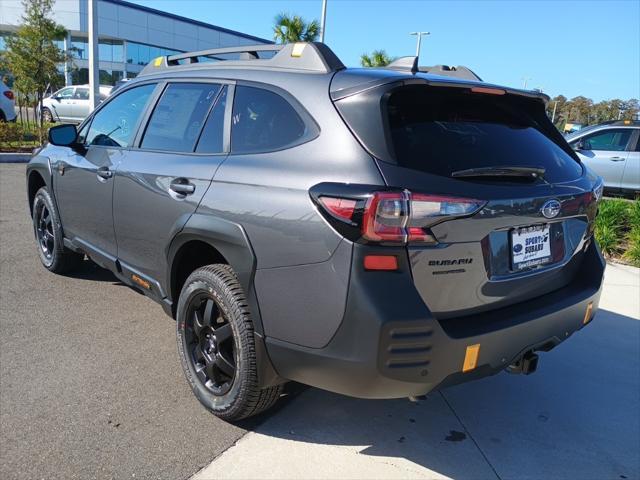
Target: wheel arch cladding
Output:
[
  {"x": 35, "y": 181},
  {"x": 209, "y": 239}
]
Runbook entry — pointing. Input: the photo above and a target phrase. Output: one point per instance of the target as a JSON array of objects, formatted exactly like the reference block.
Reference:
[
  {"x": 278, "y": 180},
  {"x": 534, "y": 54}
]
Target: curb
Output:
[{"x": 15, "y": 157}]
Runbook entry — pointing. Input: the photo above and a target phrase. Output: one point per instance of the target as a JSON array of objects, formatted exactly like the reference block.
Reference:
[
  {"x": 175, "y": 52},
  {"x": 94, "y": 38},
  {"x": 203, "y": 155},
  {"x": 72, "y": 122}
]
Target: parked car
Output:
[
  {"x": 612, "y": 150},
  {"x": 70, "y": 104},
  {"x": 379, "y": 233},
  {"x": 7, "y": 104},
  {"x": 572, "y": 127}
]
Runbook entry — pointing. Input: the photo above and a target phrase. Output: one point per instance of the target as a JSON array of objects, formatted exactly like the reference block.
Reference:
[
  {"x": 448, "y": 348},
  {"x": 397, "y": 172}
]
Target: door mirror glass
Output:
[
  {"x": 63, "y": 135},
  {"x": 579, "y": 145}
]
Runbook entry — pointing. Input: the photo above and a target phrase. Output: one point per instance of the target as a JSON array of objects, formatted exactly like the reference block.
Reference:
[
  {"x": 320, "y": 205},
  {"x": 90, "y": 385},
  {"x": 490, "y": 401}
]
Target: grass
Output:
[{"x": 618, "y": 229}]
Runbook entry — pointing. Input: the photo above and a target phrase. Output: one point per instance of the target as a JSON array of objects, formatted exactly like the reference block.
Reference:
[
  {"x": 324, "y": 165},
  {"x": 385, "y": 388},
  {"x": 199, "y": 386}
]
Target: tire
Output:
[
  {"x": 47, "y": 116},
  {"x": 213, "y": 303},
  {"x": 47, "y": 229}
]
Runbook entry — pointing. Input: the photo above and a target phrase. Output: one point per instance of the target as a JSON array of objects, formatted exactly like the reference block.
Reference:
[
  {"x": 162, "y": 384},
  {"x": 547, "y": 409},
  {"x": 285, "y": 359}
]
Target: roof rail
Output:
[{"x": 303, "y": 56}]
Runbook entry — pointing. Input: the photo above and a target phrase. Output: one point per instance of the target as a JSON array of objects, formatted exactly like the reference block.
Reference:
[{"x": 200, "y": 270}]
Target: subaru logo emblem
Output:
[{"x": 551, "y": 209}]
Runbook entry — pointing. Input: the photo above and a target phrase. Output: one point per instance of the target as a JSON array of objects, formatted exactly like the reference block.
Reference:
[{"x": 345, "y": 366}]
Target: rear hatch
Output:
[{"x": 489, "y": 147}]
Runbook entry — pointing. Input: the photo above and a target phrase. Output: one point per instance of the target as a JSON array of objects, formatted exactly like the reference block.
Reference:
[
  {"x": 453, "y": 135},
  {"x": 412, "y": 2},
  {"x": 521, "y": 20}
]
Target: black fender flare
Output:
[{"x": 232, "y": 242}]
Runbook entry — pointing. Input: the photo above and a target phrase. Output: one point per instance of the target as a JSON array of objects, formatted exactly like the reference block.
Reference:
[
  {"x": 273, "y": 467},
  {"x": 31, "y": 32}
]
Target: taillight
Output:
[
  {"x": 392, "y": 216},
  {"x": 8, "y": 94}
]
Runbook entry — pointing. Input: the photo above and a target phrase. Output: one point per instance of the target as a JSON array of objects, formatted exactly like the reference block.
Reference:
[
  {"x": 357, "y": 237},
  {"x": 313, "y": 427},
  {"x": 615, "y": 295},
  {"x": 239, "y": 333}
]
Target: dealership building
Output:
[{"x": 129, "y": 36}]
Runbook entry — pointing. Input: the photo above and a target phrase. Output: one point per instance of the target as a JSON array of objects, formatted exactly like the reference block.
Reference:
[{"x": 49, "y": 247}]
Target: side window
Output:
[
  {"x": 82, "y": 134},
  {"x": 65, "y": 93},
  {"x": 637, "y": 149},
  {"x": 263, "y": 121},
  {"x": 114, "y": 125},
  {"x": 177, "y": 119},
  {"x": 81, "y": 94},
  {"x": 211, "y": 140},
  {"x": 612, "y": 139}
]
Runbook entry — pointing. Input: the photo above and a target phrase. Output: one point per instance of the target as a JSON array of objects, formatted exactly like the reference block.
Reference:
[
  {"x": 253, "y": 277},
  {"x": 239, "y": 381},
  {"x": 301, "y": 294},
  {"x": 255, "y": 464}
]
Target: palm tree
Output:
[
  {"x": 378, "y": 58},
  {"x": 290, "y": 29}
]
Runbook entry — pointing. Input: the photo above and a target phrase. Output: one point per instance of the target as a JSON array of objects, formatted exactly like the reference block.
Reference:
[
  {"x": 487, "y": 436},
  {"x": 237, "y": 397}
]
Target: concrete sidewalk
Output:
[{"x": 577, "y": 417}]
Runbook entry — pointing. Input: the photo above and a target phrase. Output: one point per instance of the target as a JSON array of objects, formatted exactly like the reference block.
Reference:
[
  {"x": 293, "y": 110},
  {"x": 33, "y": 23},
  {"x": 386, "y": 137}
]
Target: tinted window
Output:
[
  {"x": 211, "y": 140},
  {"x": 81, "y": 94},
  {"x": 65, "y": 93},
  {"x": 263, "y": 121},
  {"x": 114, "y": 125},
  {"x": 612, "y": 139},
  {"x": 440, "y": 131},
  {"x": 178, "y": 117}
]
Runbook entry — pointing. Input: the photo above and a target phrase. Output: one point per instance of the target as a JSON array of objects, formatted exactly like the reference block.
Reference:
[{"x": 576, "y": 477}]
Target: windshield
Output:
[{"x": 444, "y": 130}]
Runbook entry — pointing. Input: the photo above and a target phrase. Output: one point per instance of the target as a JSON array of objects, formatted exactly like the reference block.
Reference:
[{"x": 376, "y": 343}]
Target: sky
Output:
[{"x": 586, "y": 47}]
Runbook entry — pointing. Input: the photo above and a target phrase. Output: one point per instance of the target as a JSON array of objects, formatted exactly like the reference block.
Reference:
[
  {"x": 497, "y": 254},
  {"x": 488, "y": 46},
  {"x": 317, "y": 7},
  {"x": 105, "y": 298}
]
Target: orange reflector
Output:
[
  {"x": 380, "y": 262},
  {"x": 471, "y": 357},
  {"x": 490, "y": 91},
  {"x": 143, "y": 283},
  {"x": 587, "y": 314}
]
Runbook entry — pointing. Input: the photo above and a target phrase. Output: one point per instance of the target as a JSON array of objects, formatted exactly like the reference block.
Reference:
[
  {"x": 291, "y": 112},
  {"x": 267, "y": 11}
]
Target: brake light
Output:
[
  {"x": 393, "y": 217},
  {"x": 8, "y": 94},
  {"x": 488, "y": 90},
  {"x": 340, "y": 207}
]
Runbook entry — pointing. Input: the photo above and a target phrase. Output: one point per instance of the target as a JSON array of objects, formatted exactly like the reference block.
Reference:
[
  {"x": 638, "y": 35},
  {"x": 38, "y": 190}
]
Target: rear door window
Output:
[
  {"x": 177, "y": 119},
  {"x": 444, "y": 130},
  {"x": 212, "y": 137},
  {"x": 614, "y": 139},
  {"x": 263, "y": 121}
]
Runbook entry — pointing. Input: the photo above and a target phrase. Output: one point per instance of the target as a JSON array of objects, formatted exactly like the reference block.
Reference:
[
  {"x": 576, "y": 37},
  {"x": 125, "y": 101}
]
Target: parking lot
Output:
[{"x": 91, "y": 387}]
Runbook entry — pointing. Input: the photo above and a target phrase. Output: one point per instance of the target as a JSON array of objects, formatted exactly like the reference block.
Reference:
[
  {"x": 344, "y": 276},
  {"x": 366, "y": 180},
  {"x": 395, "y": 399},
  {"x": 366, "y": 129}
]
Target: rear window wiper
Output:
[{"x": 505, "y": 171}]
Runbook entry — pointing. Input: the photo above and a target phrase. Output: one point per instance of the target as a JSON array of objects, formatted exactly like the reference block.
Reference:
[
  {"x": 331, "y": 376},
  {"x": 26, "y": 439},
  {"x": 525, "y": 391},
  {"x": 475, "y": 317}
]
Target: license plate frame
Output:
[{"x": 530, "y": 246}]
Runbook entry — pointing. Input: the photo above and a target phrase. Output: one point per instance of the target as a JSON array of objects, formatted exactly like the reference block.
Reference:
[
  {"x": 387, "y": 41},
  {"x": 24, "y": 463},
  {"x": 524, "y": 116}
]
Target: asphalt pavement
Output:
[
  {"x": 91, "y": 387},
  {"x": 90, "y": 380}
]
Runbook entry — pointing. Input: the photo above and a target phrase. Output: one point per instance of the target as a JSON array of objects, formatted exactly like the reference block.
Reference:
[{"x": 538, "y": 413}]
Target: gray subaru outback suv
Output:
[{"x": 374, "y": 232}]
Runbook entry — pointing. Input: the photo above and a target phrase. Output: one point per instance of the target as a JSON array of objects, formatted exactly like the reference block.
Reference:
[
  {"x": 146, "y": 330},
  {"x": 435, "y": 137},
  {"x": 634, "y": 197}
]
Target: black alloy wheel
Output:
[
  {"x": 44, "y": 230},
  {"x": 209, "y": 339}
]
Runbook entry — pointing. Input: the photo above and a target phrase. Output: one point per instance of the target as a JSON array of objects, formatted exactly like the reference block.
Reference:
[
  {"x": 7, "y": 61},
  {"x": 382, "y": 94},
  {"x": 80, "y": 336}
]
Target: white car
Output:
[
  {"x": 7, "y": 104},
  {"x": 70, "y": 104},
  {"x": 612, "y": 150}
]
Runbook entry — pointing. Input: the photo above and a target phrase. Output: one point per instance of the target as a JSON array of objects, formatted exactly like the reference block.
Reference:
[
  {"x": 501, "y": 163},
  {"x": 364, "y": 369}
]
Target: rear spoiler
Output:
[{"x": 436, "y": 81}]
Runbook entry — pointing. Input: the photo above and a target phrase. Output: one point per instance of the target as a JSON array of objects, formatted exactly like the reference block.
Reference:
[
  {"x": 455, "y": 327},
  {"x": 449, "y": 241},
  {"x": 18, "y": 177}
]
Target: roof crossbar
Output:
[{"x": 313, "y": 57}]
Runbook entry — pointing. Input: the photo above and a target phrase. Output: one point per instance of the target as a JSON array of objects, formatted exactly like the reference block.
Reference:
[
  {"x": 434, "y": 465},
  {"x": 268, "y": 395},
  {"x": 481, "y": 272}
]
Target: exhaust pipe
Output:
[{"x": 526, "y": 364}]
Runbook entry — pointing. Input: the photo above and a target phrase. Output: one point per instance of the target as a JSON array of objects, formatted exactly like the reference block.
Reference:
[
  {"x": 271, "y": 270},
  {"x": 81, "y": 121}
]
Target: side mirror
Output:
[
  {"x": 579, "y": 145},
  {"x": 63, "y": 135},
  {"x": 56, "y": 98}
]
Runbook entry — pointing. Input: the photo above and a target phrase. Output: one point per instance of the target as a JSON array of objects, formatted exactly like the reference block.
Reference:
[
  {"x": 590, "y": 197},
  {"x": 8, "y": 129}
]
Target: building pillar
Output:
[{"x": 67, "y": 65}]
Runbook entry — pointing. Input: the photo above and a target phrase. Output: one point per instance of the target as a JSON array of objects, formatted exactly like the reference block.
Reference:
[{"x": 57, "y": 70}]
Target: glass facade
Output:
[
  {"x": 141, "y": 54},
  {"x": 80, "y": 76}
]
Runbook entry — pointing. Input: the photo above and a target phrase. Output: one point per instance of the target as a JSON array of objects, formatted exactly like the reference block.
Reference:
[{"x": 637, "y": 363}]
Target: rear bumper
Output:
[{"x": 389, "y": 345}]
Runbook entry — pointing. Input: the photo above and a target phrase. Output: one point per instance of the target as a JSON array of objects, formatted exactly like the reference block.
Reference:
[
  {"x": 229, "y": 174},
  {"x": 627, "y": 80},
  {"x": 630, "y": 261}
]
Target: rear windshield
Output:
[{"x": 444, "y": 130}]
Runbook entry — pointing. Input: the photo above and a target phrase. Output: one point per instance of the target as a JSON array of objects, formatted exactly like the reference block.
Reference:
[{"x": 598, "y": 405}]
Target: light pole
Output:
[
  {"x": 419, "y": 35},
  {"x": 323, "y": 20},
  {"x": 94, "y": 75},
  {"x": 525, "y": 80}
]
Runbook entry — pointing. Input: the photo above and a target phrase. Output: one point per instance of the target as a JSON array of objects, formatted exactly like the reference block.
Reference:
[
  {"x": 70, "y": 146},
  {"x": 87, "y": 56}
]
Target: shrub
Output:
[{"x": 618, "y": 229}]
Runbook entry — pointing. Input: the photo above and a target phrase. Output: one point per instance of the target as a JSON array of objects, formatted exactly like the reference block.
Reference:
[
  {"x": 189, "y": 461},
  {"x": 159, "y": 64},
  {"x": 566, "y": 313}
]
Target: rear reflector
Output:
[
  {"x": 471, "y": 357},
  {"x": 587, "y": 314},
  {"x": 380, "y": 262}
]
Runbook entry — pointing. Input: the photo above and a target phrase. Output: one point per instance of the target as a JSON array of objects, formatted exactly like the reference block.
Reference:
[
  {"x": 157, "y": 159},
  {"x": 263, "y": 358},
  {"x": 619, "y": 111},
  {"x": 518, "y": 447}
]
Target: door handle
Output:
[
  {"x": 182, "y": 186},
  {"x": 104, "y": 172},
  {"x": 616, "y": 159}
]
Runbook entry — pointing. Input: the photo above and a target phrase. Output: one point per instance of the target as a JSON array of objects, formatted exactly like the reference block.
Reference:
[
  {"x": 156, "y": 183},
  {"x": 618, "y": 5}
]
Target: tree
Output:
[
  {"x": 32, "y": 55},
  {"x": 291, "y": 29},
  {"x": 378, "y": 58}
]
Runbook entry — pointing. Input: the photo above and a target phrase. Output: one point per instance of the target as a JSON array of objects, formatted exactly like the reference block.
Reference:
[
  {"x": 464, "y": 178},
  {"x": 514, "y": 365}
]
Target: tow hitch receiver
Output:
[{"x": 526, "y": 364}]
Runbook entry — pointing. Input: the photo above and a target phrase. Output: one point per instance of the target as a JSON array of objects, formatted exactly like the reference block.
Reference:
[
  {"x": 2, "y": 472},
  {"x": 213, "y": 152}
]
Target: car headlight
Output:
[{"x": 598, "y": 189}]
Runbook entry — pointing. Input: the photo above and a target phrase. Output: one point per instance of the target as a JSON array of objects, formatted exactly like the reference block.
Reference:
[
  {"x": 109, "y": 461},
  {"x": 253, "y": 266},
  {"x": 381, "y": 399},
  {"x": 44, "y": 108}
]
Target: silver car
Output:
[
  {"x": 70, "y": 104},
  {"x": 612, "y": 150}
]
